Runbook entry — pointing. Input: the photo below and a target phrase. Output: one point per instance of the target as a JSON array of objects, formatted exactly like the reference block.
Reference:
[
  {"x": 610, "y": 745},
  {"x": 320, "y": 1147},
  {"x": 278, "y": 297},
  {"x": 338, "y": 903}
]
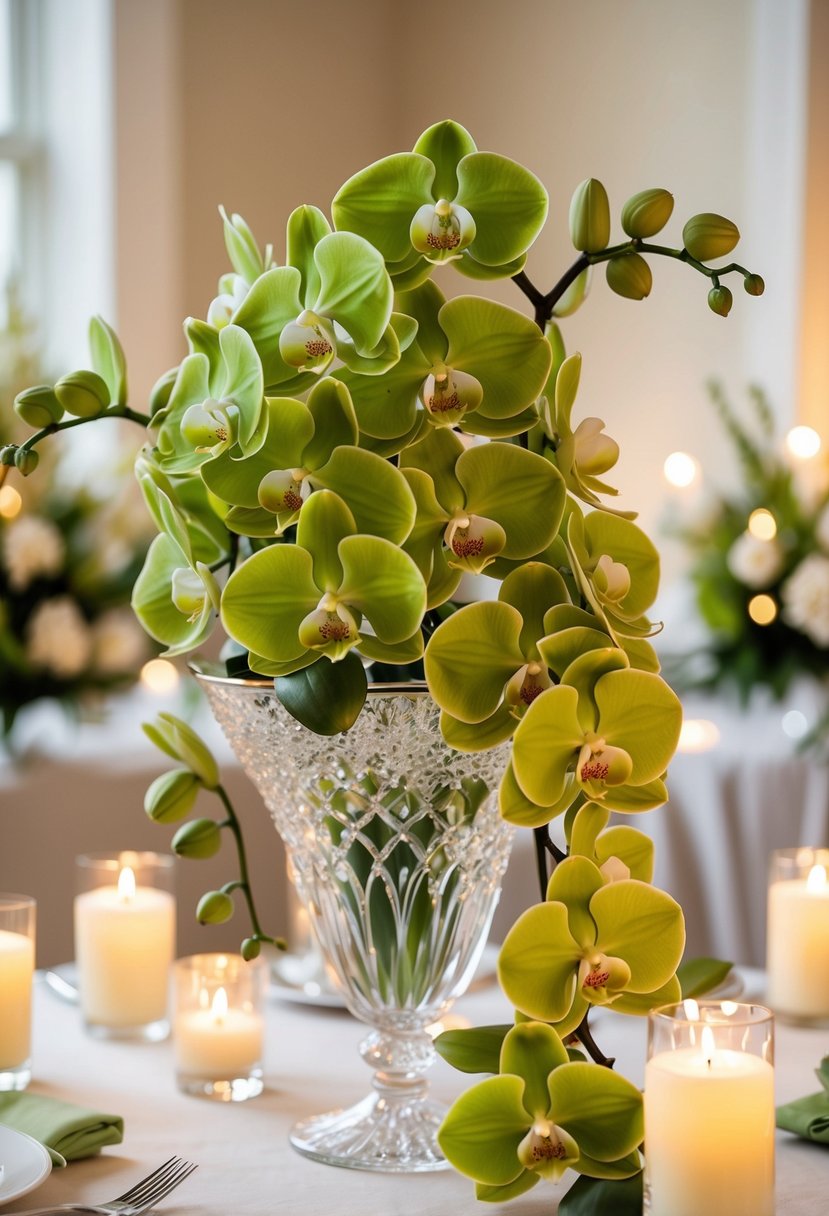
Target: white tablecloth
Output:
[{"x": 246, "y": 1166}]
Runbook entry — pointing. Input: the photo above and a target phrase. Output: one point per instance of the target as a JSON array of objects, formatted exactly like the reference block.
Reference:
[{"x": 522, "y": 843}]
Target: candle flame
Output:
[
  {"x": 817, "y": 879},
  {"x": 126, "y": 885},
  {"x": 708, "y": 1044},
  {"x": 219, "y": 1006}
]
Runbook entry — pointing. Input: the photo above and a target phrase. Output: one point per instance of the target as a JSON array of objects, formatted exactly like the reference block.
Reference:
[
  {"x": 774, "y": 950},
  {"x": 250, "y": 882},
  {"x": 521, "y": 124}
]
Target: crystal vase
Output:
[{"x": 398, "y": 851}]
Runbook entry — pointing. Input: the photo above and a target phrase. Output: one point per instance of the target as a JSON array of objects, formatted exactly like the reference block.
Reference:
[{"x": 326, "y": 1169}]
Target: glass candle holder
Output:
[
  {"x": 709, "y": 1110},
  {"x": 797, "y": 951},
  {"x": 17, "y": 964},
  {"x": 125, "y": 929},
  {"x": 219, "y": 1026}
]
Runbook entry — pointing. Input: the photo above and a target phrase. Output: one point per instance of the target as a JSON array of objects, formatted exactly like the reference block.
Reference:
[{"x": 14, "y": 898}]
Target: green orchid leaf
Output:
[
  {"x": 306, "y": 228},
  {"x": 473, "y": 269},
  {"x": 407, "y": 651},
  {"x": 438, "y": 454},
  {"x": 445, "y": 144},
  {"x": 632, "y": 799},
  {"x": 500, "y": 1194},
  {"x": 639, "y": 1004},
  {"x": 325, "y": 697},
  {"x": 383, "y": 583},
  {"x": 152, "y": 601},
  {"x": 697, "y": 976},
  {"x": 547, "y": 741},
  {"x": 377, "y": 493},
  {"x": 642, "y": 925},
  {"x": 266, "y": 599},
  {"x": 108, "y": 359},
  {"x": 324, "y": 521},
  {"x": 537, "y": 963},
  {"x": 520, "y": 491},
  {"x": 470, "y": 657},
  {"x": 508, "y": 203},
  {"x": 640, "y": 713},
  {"x": 518, "y": 809},
  {"x": 244, "y": 384},
  {"x": 590, "y": 819},
  {"x": 634, "y": 849},
  {"x": 423, "y": 305},
  {"x": 599, "y": 1108},
  {"x": 355, "y": 289},
  {"x": 481, "y": 1133},
  {"x": 574, "y": 882},
  {"x": 625, "y": 543},
  {"x": 531, "y": 589},
  {"x": 476, "y": 1049},
  {"x": 560, "y": 650},
  {"x": 501, "y": 348},
  {"x": 531, "y": 1051},
  {"x": 272, "y": 303},
  {"x": 380, "y": 201},
  {"x": 478, "y": 736},
  {"x": 591, "y": 1197}
]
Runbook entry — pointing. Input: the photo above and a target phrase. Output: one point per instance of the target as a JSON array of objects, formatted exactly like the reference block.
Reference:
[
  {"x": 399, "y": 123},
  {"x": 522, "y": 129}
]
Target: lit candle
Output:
[
  {"x": 798, "y": 935},
  {"x": 124, "y": 941},
  {"x": 17, "y": 961},
  {"x": 216, "y": 1041},
  {"x": 709, "y": 1124}
]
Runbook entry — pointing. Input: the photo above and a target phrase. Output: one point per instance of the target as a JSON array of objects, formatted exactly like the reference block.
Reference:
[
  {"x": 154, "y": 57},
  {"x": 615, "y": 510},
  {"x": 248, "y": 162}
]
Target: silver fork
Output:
[{"x": 138, "y": 1199}]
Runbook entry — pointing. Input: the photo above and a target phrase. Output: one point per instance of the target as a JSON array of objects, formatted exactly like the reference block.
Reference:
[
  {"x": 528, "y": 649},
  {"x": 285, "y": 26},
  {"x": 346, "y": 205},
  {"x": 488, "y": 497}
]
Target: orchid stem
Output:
[{"x": 585, "y": 1037}]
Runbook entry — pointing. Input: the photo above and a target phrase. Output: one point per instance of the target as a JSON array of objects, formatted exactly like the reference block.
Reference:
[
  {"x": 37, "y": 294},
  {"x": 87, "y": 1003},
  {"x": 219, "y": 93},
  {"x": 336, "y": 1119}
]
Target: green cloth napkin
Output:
[
  {"x": 68, "y": 1132},
  {"x": 809, "y": 1117}
]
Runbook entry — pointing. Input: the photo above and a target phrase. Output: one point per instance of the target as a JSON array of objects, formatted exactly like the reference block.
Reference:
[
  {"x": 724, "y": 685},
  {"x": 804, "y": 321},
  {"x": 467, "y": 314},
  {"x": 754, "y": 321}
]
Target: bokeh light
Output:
[
  {"x": 680, "y": 469},
  {"x": 762, "y": 609},
  {"x": 698, "y": 735},
  {"x": 159, "y": 676},
  {"x": 762, "y": 524},
  {"x": 10, "y": 502},
  {"x": 803, "y": 442}
]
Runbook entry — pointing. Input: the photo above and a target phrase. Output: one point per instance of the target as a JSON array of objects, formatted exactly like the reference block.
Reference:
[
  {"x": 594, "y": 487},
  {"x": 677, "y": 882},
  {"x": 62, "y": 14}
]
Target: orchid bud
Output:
[
  {"x": 720, "y": 300},
  {"x": 647, "y": 213},
  {"x": 590, "y": 216},
  {"x": 708, "y": 236},
  {"x": 38, "y": 407},
  {"x": 441, "y": 231},
  {"x": 199, "y": 839},
  {"x": 448, "y": 395},
  {"x": 161, "y": 391},
  {"x": 7, "y": 455},
  {"x": 26, "y": 460},
  {"x": 83, "y": 394},
  {"x": 629, "y": 276},
  {"x": 281, "y": 490},
  {"x": 171, "y": 796},
  {"x": 214, "y": 908},
  {"x": 250, "y": 949},
  {"x": 754, "y": 284},
  {"x": 308, "y": 343}
]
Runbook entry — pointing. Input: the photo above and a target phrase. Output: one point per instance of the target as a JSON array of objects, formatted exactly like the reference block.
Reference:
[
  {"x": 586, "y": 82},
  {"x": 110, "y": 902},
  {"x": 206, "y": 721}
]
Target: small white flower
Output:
[
  {"x": 755, "y": 562},
  {"x": 822, "y": 528},
  {"x": 58, "y": 637},
  {"x": 806, "y": 598},
  {"x": 32, "y": 546},
  {"x": 227, "y": 301},
  {"x": 118, "y": 644}
]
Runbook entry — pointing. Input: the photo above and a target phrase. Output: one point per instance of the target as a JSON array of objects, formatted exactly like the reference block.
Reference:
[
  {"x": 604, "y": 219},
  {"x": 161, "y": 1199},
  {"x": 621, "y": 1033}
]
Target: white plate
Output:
[{"x": 26, "y": 1164}]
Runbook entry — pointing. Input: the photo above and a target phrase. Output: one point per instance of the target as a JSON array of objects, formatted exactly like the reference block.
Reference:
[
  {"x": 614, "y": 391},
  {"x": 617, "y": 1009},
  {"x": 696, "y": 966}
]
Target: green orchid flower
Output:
[
  {"x": 248, "y": 264},
  {"x": 475, "y": 503},
  {"x": 617, "y": 567},
  {"x": 289, "y": 604},
  {"x": 472, "y": 361},
  {"x": 593, "y": 942},
  {"x": 606, "y": 731},
  {"x": 540, "y": 1116},
  {"x": 619, "y": 852},
  {"x": 444, "y": 202}
]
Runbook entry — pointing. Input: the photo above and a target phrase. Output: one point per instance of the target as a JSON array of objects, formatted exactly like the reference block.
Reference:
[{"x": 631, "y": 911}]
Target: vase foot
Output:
[{"x": 389, "y": 1136}]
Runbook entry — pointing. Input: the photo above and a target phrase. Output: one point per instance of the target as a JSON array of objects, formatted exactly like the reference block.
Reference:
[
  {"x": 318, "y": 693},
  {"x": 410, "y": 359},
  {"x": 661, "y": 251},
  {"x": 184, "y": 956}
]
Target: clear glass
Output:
[
  {"x": 398, "y": 852},
  {"x": 797, "y": 942},
  {"x": 17, "y": 964},
  {"x": 125, "y": 932},
  {"x": 219, "y": 1026},
  {"x": 300, "y": 973},
  {"x": 709, "y": 1110}
]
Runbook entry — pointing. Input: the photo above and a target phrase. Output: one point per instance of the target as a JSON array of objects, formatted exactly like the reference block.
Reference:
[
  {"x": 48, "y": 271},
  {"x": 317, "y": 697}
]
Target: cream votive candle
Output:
[
  {"x": 797, "y": 956},
  {"x": 125, "y": 925},
  {"x": 219, "y": 1026},
  {"x": 17, "y": 963},
  {"x": 709, "y": 1110}
]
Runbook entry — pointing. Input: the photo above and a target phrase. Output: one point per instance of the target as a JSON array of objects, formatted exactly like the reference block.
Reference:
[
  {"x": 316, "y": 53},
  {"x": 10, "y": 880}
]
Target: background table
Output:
[{"x": 247, "y": 1167}]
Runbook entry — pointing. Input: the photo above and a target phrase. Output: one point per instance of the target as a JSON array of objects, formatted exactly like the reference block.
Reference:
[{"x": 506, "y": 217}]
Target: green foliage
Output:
[{"x": 697, "y": 976}]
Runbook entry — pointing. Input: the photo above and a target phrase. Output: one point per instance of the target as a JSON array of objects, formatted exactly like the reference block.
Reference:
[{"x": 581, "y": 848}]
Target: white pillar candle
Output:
[
  {"x": 217, "y": 1042},
  {"x": 798, "y": 945},
  {"x": 17, "y": 961},
  {"x": 124, "y": 942},
  {"x": 709, "y": 1132}
]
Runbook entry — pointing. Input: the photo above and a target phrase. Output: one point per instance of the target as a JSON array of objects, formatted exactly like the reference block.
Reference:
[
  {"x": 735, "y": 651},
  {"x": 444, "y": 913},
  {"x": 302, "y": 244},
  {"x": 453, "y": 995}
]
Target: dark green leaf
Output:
[
  {"x": 475, "y": 1050},
  {"x": 700, "y": 975},
  {"x": 603, "y": 1197},
  {"x": 325, "y": 697}
]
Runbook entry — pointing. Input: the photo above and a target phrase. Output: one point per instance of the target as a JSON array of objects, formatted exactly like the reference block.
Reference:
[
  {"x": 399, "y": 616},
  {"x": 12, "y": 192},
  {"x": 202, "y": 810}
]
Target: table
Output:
[{"x": 247, "y": 1167}]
